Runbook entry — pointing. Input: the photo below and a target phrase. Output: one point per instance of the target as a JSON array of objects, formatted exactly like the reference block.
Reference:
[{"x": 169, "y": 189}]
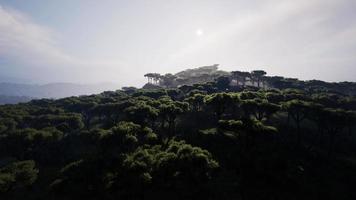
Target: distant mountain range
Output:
[{"x": 15, "y": 92}]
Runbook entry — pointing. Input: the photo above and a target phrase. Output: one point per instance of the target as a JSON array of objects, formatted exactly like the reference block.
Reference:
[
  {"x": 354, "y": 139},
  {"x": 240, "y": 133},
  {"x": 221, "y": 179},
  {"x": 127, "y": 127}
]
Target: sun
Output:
[{"x": 199, "y": 32}]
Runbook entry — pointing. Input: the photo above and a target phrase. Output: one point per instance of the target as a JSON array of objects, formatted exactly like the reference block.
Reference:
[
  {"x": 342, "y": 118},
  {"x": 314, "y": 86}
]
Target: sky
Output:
[{"x": 92, "y": 41}]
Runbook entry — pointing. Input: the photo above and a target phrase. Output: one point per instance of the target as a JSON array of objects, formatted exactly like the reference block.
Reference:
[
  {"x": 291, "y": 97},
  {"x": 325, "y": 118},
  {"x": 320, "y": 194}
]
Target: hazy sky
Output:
[{"x": 91, "y": 41}]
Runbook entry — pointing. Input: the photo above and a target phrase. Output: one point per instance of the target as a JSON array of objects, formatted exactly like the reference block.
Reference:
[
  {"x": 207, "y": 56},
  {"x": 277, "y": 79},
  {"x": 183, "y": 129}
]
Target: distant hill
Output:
[
  {"x": 239, "y": 80},
  {"x": 14, "y": 99},
  {"x": 53, "y": 90},
  {"x": 187, "y": 77}
]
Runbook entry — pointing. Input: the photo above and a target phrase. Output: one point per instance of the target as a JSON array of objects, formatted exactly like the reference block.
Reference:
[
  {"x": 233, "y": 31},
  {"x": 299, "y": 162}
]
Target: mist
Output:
[{"x": 91, "y": 42}]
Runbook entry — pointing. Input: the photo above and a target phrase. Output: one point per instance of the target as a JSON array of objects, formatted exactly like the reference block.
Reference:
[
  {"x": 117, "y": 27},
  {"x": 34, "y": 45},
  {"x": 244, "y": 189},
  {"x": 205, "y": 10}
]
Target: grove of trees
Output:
[{"x": 211, "y": 140}]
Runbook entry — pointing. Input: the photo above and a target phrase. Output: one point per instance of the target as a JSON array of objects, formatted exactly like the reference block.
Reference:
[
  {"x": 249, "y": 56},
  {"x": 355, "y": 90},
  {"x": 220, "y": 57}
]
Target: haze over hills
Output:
[
  {"x": 16, "y": 92},
  {"x": 14, "y": 99},
  {"x": 53, "y": 90},
  {"x": 255, "y": 78}
]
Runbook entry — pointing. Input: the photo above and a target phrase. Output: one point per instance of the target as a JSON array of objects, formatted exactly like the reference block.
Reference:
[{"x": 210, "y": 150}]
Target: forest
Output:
[{"x": 201, "y": 133}]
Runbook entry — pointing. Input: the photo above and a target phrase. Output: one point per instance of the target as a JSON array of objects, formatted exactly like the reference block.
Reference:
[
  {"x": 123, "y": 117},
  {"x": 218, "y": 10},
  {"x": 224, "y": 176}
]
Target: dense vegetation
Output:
[
  {"x": 224, "y": 139},
  {"x": 256, "y": 78}
]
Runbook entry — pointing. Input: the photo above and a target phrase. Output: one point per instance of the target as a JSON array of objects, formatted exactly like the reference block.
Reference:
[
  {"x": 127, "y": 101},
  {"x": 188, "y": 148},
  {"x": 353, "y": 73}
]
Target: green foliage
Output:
[
  {"x": 7, "y": 180},
  {"x": 297, "y": 109},
  {"x": 230, "y": 124},
  {"x": 221, "y": 136},
  {"x": 141, "y": 113},
  {"x": 126, "y": 137},
  {"x": 17, "y": 175},
  {"x": 220, "y": 101},
  {"x": 260, "y": 109},
  {"x": 222, "y": 83},
  {"x": 179, "y": 161},
  {"x": 155, "y": 94},
  {"x": 196, "y": 102}
]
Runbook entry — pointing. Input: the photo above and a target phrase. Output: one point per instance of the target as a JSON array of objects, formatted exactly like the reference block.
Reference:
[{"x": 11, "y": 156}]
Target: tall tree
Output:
[
  {"x": 170, "y": 111},
  {"x": 260, "y": 109},
  {"x": 258, "y": 75},
  {"x": 141, "y": 113},
  {"x": 298, "y": 111},
  {"x": 336, "y": 121},
  {"x": 219, "y": 102}
]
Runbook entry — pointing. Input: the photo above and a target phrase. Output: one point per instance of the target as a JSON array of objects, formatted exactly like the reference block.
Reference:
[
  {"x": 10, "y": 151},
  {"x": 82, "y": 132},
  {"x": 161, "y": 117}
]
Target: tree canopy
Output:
[{"x": 198, "y": 134}]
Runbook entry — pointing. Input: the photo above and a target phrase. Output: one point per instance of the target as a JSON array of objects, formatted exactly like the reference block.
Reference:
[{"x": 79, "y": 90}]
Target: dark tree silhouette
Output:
[
  {"x": 258, "y": 75},
  {"x": 298, "y": 111}
]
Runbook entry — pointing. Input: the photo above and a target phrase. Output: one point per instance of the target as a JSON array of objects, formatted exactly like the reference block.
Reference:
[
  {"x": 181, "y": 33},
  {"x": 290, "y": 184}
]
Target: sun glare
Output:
[{"x": 199, "y": 32}]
